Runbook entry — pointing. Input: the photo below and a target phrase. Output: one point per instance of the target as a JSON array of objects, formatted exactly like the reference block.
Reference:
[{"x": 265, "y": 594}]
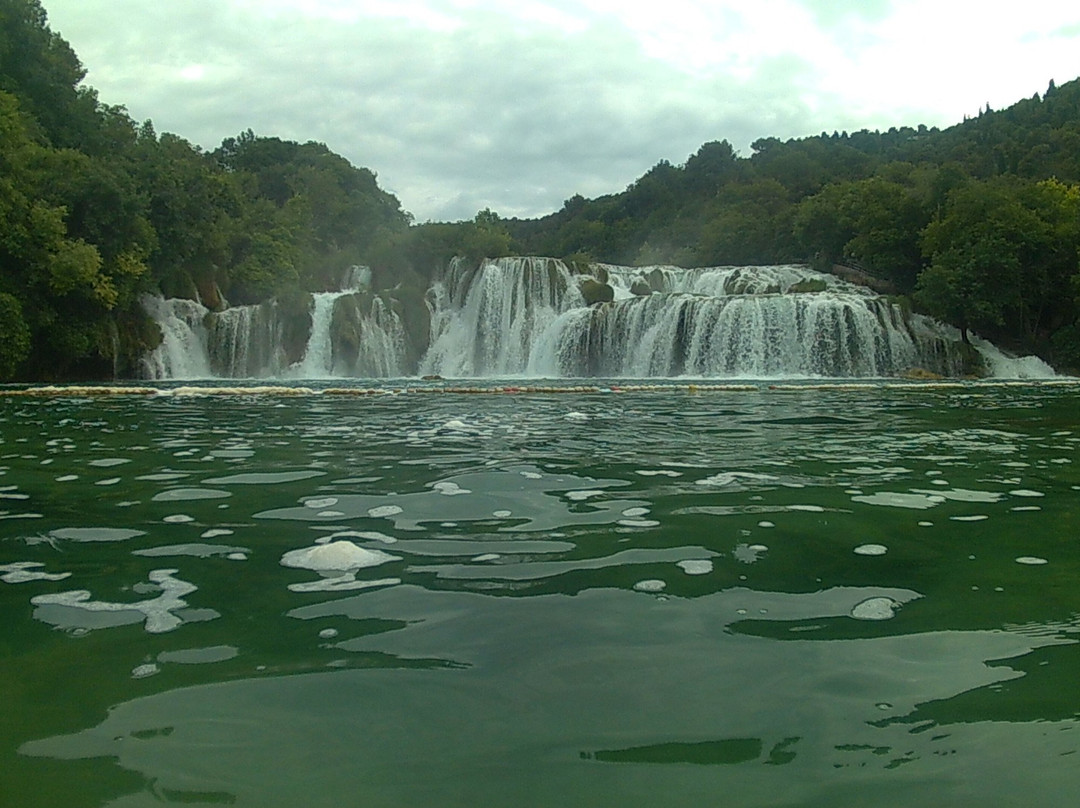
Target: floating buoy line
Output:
[{"x": 81, "y": 391}]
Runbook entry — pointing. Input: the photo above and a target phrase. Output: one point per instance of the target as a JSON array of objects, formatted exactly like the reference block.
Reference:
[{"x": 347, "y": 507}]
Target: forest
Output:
[{"x": 977, "y": 224}]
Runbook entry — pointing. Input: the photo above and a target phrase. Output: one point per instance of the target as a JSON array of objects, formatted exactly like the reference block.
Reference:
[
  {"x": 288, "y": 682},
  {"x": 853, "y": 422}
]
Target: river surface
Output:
[{"x": 684, "y": 597}]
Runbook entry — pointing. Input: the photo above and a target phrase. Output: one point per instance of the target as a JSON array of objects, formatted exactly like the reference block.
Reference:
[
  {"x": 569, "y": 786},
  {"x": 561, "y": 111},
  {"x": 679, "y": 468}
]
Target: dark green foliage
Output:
[{"x": 96, "y": 210}]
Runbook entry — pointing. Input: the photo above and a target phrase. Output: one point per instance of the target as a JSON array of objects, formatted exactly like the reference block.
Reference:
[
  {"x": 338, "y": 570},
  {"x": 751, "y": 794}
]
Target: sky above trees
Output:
[{"x": 461, "y": 105}]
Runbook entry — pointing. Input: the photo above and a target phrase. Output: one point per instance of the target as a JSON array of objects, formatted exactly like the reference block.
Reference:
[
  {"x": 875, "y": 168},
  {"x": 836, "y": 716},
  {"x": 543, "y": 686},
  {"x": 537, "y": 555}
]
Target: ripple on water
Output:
[
  {"x": 891, "y": 499},
  {"x": 95, "y": 533},
  {"x": 189, "y": 494}
]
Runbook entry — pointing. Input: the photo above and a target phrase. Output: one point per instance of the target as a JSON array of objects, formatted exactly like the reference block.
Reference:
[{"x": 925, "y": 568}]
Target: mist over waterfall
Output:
[{"x": 542, "y": 317}]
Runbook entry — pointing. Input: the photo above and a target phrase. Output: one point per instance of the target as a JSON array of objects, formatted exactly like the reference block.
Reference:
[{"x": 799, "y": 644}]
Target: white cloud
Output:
[{"x": 464, "y": 104}]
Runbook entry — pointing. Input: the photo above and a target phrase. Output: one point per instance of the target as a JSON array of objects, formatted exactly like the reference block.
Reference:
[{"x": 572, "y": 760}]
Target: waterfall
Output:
[
  {"x": 365, "y": 337},
  {"x": 531, "y": 316},
  {"x": 182, "y": 353},
  {"x": 489, "y": 320},
  {"x": 317, "y": 361}
]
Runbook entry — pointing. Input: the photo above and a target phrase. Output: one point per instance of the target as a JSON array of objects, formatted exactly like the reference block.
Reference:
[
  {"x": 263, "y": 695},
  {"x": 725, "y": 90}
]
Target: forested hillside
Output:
[
  {"x": 978, "y": 224},
  {"x": 96, "y": 209}
]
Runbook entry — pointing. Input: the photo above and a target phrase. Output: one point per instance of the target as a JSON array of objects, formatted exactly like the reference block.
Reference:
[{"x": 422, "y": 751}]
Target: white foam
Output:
[
  {"x": 581, "y": 496},
  {"x": 871, "y": 549},
  {"x": 450, "y": 489},
  {"x": 638, "y": 522},
  {"x": 579, "y": 417},
  {"x": 695, "y": 566},
  {"x": 318, "y": 504},
  {"x": 21, "y": 572},
  {"x": 142, "y": 671},
  {"x": 214, "y": 532},
  {"x": 1031, "y": 560},
  {"x": 650, "y": 585},
  {"x": 1023, "y": 492},
  {"x": 658, "y": 473},
  {"x": 337, "y": 556},
  {"x": 978, "y": 517},
  {"x": 158, "y": 612},
  {"x": 766, "y": 524},
  {"x": 178, "y": 519},
  {"x": 501, "y": 514},
  {"x": 635, "y": 512},
  {"x": 875, "y": 609},
  {"x": 384, "y": 510},
  {"x": 807, "y": 508}
]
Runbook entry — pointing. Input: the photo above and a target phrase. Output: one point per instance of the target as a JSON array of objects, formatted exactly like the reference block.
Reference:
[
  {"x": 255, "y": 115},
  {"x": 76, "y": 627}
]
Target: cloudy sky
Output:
[{"x": 517, "y": 105}]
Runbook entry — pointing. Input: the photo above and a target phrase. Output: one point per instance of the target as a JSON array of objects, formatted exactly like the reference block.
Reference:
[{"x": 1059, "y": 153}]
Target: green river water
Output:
[{"x": 761, "y": 597}]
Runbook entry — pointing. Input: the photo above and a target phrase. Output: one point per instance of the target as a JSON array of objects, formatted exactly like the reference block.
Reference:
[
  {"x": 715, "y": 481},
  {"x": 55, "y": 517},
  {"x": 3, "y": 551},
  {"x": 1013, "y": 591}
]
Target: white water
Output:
[
  {"x": 529, "y": 317},
  {"x": 182, "y": 353},
  {"x": 318, "y": 360}
]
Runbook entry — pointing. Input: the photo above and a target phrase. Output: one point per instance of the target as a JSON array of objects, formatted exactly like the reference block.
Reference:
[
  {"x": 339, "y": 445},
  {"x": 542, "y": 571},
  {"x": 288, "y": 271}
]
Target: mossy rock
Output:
[
  {"x": 595, "y": 292},
  {"x": 641, "y": 288}
]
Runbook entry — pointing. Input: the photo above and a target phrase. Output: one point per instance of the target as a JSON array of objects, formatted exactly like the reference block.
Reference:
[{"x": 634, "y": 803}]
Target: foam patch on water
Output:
[
  {"x": 658, "y": 473},
  {"x": 650, "y": 585},
  {"x": 977, "y": 517},
  {"x": 581, "y": 496},
  {"x": 450, "y": 489},
  {"x": 579, "y": 417},
  {"x": 695, "y": 566},
  {"x": 21, "y": 572},
  {"x": 383, "y": 511},
  {"x": 214, "y": 532},
  {"x": 178, "y": 519},
  {"x": 108, "y": 462},
  {"x": 76, "y": 609},
  {"x": 638, "y": 522},
  {"x": 635, "y": 512},
  {"x": 1032, "y": 561},
  {"x": 336, "y": 556},
  {"x": 502, "y": 514},
  {"x": 142, "y": 671},
  {"x": 871, "y": 550},
  {"x": 875, "y": 609},
  {"x": 1023, "y": 492},
  {"x": 320, "y": 503}
]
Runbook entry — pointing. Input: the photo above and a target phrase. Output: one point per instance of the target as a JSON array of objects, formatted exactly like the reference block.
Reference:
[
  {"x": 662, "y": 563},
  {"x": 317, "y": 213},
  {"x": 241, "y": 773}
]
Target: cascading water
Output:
[
  {"x": 254, "y": 341},
  {"x": 540, "y": 317},
  {"x": 489, "y": 320},
  {"x": 528, "y": 316},
  {"x": 182, "y": 353}
]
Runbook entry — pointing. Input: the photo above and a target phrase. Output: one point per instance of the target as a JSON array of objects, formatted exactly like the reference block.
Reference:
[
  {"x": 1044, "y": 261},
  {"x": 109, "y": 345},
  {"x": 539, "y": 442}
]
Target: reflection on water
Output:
[{"x": 813, "y": 597}]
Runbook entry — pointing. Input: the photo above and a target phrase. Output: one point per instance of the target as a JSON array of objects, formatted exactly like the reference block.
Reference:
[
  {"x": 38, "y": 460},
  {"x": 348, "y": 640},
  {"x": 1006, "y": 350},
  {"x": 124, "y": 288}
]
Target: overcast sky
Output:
[{"x": 517, "y": 105}]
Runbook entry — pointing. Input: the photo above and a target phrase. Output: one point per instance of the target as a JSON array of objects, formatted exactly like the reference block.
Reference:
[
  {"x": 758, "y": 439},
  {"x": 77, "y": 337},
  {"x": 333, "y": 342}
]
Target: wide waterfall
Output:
[
  {"x": 543, "y": 317},
  {"x": 530, "y": 316}
]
